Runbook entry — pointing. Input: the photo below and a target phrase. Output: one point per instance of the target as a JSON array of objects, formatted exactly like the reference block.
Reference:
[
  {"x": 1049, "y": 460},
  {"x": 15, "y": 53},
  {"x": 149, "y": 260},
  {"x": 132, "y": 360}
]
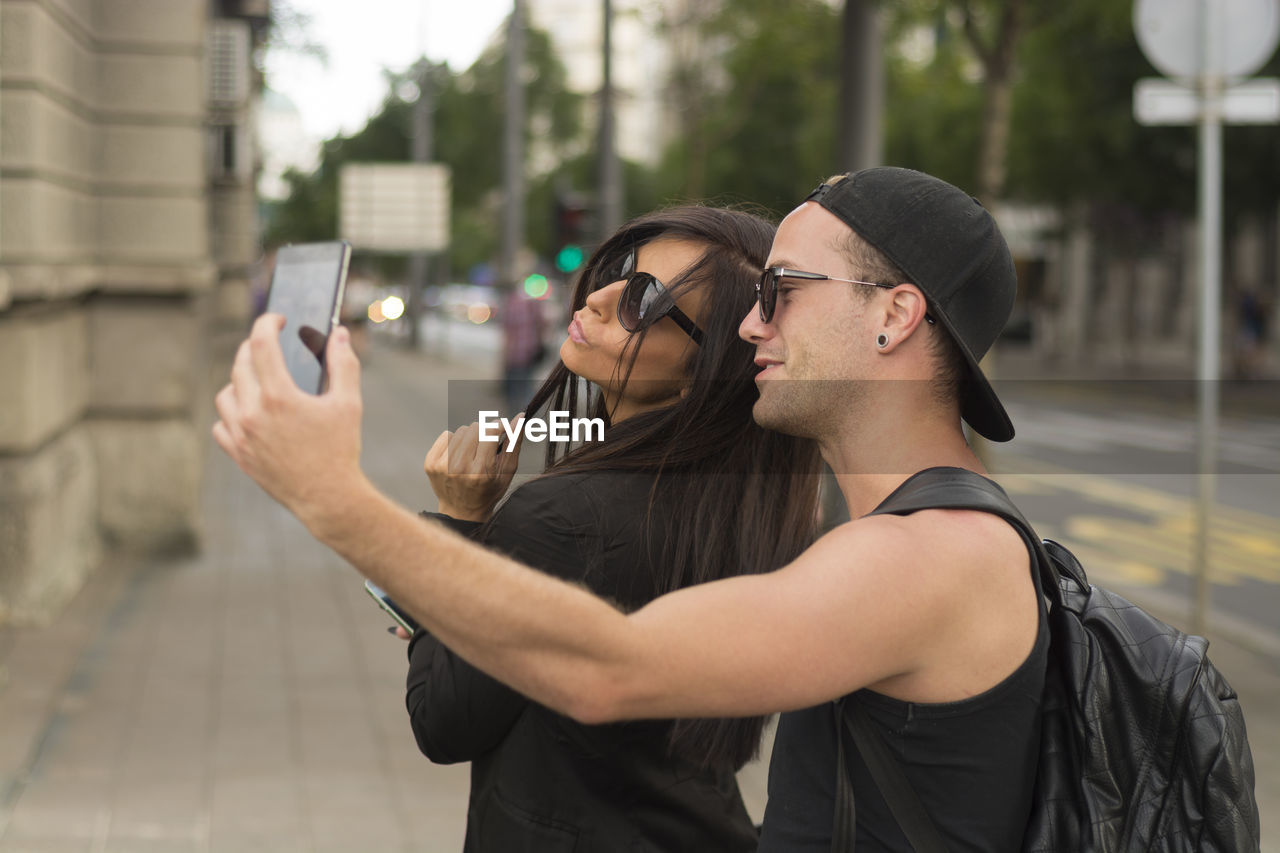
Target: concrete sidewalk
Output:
[{"x": 248, "y": 698}]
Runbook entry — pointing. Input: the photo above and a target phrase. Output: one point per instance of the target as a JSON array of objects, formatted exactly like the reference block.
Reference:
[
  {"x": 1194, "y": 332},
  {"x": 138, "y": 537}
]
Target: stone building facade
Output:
[{"x": 127, "y": 235}]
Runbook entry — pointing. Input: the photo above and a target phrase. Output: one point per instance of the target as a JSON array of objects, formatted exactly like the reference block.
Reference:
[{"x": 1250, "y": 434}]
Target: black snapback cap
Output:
[{"x": 949, "y": 246}]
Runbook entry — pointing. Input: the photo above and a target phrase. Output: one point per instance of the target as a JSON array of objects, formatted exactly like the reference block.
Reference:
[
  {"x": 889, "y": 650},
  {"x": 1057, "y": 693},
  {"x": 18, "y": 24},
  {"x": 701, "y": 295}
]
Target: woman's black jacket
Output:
[{"x": 539, "y": 780}]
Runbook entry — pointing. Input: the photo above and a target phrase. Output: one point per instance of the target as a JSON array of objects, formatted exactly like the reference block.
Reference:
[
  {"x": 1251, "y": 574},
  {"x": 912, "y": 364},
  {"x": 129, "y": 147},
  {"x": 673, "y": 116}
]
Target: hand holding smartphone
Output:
[
  {"x": 403, "y": 619},
  {"x": 307, "y": 288}
]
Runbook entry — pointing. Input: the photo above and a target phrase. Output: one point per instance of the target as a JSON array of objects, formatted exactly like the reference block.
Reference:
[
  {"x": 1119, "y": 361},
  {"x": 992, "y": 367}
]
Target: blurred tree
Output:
[
  {"x": 468, "y": 134},
  {"x": 1070, "y": 132},
  {"x": 758, "y": 102},
  {"x": 953, "y": 77},
  {"x": 289, "y": 31},
  {"x": 1075, "y": 138},
  {"x": 993, "y": 29},
  {"x": 933, "y": 100},
  {"x": 684, "y": 27}
]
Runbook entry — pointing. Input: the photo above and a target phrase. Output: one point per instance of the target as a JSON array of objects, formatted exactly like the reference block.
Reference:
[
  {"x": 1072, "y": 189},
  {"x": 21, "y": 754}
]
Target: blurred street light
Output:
[{"x": 393, "y": 307}]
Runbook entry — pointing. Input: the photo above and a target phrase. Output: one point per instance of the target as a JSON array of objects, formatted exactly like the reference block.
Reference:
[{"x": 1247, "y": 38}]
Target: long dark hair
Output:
[{"x": 729, "y": 497}]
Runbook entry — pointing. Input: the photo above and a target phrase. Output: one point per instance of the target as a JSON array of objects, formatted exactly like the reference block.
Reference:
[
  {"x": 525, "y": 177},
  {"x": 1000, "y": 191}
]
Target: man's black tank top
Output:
[{"x": 972, "y": 763}]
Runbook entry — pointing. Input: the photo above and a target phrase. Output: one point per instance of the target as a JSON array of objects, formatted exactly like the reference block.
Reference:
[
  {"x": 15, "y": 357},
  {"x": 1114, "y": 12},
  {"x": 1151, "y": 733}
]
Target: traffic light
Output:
[
  {"x": 569, "y": 258},
  {"x": 570, "y": 223}
]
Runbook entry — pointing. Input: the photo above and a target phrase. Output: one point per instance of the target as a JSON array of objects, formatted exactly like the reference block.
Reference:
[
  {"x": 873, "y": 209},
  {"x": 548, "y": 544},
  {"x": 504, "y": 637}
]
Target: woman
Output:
[{"x": 683, "y": 489}]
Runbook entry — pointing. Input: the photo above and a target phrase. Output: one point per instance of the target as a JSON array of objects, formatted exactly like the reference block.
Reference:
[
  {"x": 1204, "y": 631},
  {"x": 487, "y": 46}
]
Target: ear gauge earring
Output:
[{"x": 882, "y": 340}]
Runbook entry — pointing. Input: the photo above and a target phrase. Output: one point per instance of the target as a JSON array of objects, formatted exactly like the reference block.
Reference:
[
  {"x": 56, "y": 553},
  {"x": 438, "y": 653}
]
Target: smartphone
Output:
[
  {"x": 307, "y": 289},
  {"x": 384, "y": 601}
]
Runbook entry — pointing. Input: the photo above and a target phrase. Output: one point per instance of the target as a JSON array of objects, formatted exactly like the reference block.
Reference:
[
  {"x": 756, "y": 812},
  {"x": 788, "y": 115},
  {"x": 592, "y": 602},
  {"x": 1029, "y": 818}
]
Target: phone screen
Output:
[{"x": 307, "y": 289}]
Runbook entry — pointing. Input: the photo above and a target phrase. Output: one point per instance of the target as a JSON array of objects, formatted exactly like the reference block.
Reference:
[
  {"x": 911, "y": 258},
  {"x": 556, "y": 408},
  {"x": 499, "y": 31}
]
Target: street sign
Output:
[
  {"x": 1159, "y": 101},
  {"x": 1172, "y": 33},
  {"x": 395, "y": 207}
]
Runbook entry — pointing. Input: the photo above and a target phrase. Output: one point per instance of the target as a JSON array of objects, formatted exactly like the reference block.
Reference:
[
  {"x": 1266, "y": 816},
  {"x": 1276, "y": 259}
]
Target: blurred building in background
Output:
[
  {"x": 1105, "y": 288},
  {"x": 127, "y": 238}
]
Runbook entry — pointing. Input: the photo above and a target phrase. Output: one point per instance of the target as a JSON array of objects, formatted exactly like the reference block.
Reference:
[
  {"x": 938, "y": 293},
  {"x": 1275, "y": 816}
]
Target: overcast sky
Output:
[{"x": 363, "y": 37}]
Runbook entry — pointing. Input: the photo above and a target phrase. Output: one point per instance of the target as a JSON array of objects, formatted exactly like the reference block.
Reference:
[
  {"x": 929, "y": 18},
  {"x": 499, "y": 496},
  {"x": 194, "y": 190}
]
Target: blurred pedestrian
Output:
[
  {"x": 882, "y": 291},
  {"x": 522, "y": 347},
  {"x": 1251, "y": 334}
]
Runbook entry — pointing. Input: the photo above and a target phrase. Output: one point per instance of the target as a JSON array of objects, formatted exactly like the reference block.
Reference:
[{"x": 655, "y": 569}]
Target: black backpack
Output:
[{"x": 1143, "y": 744}]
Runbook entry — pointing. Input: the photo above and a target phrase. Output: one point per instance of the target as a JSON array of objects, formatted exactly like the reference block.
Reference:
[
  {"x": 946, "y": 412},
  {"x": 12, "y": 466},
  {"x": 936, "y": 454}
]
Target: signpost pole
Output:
[
  {"x": 513, "y": 151},
  {"x": 1209, "y": 368},
  {"x": 419, "y": 262}
]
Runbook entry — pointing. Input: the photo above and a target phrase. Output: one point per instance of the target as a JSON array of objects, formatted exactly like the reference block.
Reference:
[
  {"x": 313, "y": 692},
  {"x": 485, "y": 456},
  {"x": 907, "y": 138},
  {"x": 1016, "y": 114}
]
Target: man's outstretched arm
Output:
[{"x": 830, "y": 622}]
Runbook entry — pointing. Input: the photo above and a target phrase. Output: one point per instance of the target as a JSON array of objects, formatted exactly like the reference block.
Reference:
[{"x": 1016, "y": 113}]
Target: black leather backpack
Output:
[{"x": 1143, "y": 744}]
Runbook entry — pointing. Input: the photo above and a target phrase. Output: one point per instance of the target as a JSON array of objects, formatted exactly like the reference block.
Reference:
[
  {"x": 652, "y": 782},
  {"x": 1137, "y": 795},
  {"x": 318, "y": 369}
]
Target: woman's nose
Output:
[{"x": 605, "y": 300}]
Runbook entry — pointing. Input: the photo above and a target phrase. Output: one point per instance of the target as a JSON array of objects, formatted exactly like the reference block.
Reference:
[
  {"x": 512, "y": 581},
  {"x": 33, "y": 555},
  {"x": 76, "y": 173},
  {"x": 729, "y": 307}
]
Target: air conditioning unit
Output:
[{"x": 227, "y": 62}]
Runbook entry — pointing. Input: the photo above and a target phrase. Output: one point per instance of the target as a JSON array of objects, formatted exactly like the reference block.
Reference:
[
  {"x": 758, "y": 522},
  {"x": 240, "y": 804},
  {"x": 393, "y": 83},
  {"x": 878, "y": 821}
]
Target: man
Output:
[{"x": 882, "y": 291}]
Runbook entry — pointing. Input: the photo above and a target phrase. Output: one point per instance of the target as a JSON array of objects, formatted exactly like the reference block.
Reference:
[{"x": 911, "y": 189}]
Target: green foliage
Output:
[
  {"x": 1074, "y": 138},
  {"x": 933, "y": 101},
  {"x": 769, "y": 137},
  {"x": 470, "y": 109},
  {"x": 1074, "y": 135},
  {"x": 289, "y": 31}
]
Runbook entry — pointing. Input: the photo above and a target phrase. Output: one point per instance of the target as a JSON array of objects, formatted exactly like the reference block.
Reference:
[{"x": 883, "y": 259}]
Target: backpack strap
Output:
[
  {"x": 893, "y": 783},
  {"x": 958, "y": 488}
]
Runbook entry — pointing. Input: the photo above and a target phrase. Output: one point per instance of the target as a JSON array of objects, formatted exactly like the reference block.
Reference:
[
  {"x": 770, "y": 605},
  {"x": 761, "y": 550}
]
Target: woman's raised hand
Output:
[{"x": 470, "y": 476}]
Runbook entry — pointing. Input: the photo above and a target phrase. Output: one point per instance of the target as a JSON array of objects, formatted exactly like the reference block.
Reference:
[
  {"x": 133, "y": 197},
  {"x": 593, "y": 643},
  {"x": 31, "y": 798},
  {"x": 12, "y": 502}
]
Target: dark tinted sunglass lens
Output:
[
  {"x": 621, "y": 267},
  {"x": 629, "y": 303},
  {"x": 768, "y": 290},
  {"x": 653, "y": 303},
  {"x": 641, "y": 302}
]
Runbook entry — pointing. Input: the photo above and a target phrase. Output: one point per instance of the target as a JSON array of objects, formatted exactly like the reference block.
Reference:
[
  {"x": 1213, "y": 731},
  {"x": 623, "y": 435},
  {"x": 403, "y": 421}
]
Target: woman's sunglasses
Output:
[{"x": 645, "y": 300}]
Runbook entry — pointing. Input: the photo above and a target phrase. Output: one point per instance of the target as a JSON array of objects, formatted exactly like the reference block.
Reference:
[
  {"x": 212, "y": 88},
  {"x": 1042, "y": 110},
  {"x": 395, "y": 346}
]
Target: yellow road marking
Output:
[{"x": 1242, "y": 544}]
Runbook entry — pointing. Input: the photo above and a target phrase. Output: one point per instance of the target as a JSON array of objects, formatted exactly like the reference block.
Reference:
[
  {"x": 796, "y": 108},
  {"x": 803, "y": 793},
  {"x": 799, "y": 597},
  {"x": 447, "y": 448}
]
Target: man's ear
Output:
[{"x": 906, "y": 310}]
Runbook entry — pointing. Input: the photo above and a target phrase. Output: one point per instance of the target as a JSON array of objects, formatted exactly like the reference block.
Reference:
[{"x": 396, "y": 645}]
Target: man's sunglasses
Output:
[
  {"x": 767, "y": 287},
  {"x": 645, "y": 300}
]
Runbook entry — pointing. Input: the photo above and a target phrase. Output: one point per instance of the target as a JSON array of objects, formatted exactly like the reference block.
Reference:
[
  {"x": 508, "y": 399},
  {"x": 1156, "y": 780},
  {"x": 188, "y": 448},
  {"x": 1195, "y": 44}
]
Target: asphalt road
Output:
[{"x": 1117, "y": 483}]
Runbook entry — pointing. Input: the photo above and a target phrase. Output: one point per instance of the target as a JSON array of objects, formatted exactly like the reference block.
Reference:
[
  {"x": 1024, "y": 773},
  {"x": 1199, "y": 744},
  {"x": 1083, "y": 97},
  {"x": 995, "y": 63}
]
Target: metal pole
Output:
[
  {"x": 860, "y": 137},
  {"x": 513, "y": 150},
  {"x": 1209, "y": 369},
  {"x": 420, "y": 262},
  {"x": 610, "y": 171}
]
